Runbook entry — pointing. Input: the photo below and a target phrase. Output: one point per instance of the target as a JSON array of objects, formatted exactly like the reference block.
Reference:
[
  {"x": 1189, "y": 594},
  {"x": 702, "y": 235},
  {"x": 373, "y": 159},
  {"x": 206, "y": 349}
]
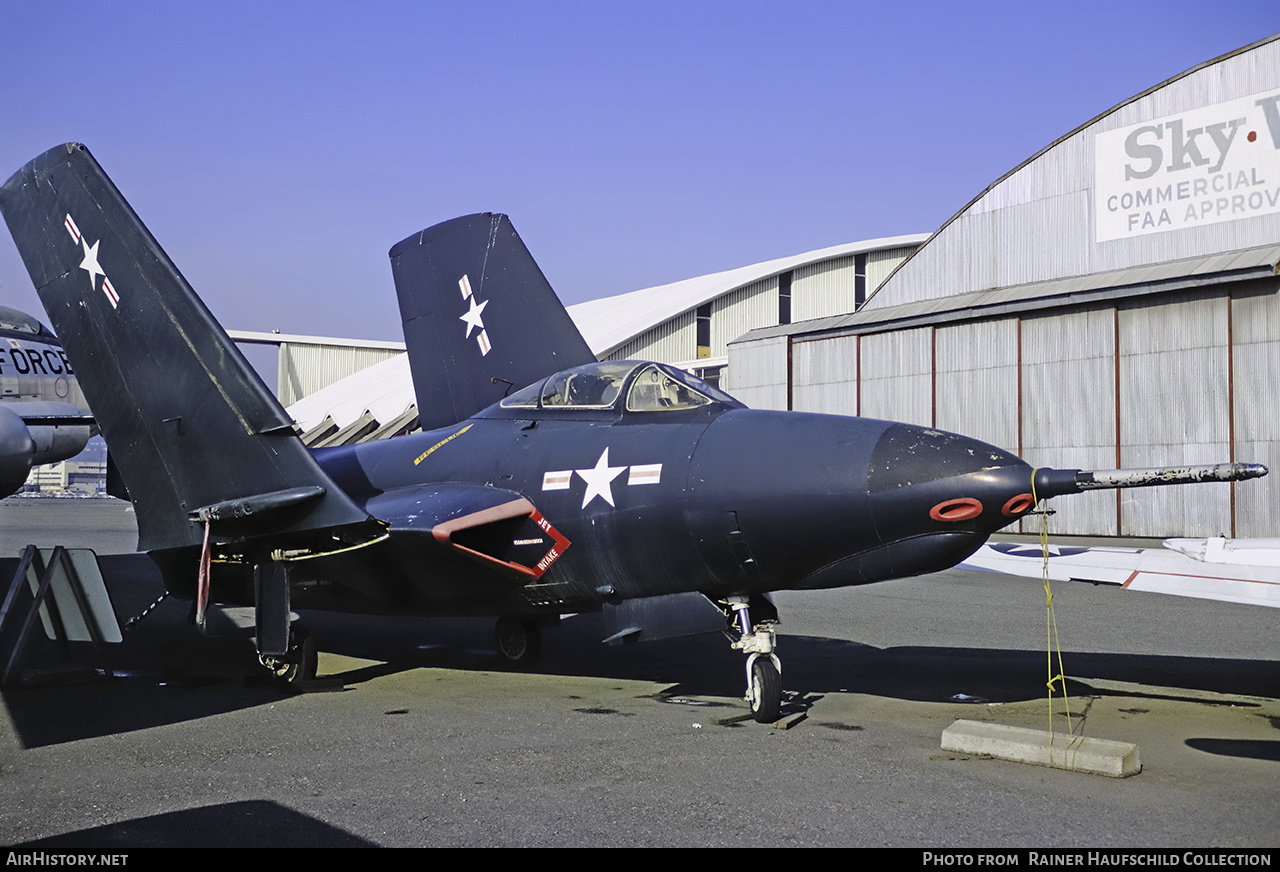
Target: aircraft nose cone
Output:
[
  {"x": 923, "y": 481},
  {"x": 933, "y": 498}
]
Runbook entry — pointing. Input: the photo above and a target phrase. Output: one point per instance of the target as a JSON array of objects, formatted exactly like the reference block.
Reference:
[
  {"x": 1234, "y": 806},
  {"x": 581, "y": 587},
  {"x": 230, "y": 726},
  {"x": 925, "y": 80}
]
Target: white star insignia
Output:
[
  {"x": 1033, "y": 551},
  {"x": 599, "y": 479},
  {"x": 472, "y": 317},
  {"x": 90, "y": 263}
]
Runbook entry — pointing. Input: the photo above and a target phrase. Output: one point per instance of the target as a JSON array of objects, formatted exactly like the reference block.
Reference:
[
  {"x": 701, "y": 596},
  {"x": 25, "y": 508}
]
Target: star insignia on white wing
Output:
[
  {"x": 90, "y": 263},
  {"x": 472, "y": 316},
  {"x": 1033, "y": 551},
  {"x": 599, "y": 480}
]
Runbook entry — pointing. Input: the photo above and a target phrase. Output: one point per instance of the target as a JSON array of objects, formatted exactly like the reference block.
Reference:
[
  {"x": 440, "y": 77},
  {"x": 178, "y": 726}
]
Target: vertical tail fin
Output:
[
  {"x": 192, "y": 429},
  {"x": 480, "y": 319}
]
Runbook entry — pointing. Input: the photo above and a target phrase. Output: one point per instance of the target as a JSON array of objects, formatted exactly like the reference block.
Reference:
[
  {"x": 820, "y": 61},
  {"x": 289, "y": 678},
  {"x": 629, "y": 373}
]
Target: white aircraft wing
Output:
[{"x": 1233, "y": 570}]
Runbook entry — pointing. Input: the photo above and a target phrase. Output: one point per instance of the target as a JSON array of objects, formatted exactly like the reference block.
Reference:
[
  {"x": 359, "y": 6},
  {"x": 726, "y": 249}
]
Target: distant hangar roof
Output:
[{"x": 610, "y": 322}]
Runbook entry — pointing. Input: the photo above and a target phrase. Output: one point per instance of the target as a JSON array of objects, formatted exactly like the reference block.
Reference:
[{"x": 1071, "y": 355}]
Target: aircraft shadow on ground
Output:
[
  {"x": 181, "y": 676},
  {"x": 249, "y": 824},
  {"x": 937, "y": 674},
  {"x": 706, "y": 666},
  {"x": 1253, "y": 749},
  {"x": 165, "y": 671},
  {"x": 70, "y": 711}
]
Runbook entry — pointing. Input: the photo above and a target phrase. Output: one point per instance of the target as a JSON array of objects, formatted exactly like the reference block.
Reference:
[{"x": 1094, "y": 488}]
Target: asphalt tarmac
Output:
[{"x": 415, "y": 738}]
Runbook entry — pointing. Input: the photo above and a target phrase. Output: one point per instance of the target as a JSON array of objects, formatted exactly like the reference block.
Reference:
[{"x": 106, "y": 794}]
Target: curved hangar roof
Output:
[
  {"x": 1176, "y": 187},
  {"x": 610, "y": 322},
  {"x": 365, "y": 404},
  {"x": 1186, "y": 171}
]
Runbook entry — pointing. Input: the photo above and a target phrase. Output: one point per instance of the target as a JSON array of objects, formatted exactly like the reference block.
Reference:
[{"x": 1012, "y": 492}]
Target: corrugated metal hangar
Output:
[
  {"x": 305, "y": 364},
  {"x": 690, "y": 323},
  {"x": 1111, "y": 302}
]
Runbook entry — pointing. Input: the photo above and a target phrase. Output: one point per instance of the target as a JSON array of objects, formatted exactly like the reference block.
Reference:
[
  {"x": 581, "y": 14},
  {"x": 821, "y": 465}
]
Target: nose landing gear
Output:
[{"x": 764, "y": 669}]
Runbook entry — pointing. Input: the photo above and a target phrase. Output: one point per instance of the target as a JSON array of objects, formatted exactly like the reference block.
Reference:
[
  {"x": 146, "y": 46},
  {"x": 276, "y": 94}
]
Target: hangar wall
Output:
[
  {"x": 669, "y": 340},
  {"x": 1186, "y": 378},
  {"x": 817, "y": 287},
  {"x": 304, "y": 369},
  {"x": 306, "y": 364},
  {"x": 1111, "y": 302},
  {"x": 741, "y": 310}
]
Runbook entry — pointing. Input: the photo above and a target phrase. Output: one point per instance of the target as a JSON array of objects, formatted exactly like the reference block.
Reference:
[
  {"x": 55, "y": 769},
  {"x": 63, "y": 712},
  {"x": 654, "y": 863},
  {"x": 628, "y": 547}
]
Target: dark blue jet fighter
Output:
[{"x": 546, "y": 482}]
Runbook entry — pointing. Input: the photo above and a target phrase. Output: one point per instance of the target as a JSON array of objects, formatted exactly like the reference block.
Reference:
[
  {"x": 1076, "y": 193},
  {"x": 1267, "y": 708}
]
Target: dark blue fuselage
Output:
[{"x": 718, "y": 499}]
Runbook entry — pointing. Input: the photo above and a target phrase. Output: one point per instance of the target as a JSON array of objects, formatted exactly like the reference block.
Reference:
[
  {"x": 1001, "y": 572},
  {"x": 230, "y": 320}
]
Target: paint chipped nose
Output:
[{"x": 924, "y": 481}]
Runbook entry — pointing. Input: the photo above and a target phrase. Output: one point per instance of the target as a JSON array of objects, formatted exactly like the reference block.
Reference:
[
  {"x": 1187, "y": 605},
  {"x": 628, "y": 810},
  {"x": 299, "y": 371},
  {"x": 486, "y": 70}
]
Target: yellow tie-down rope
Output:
[{"x": 1051, "y": 623}]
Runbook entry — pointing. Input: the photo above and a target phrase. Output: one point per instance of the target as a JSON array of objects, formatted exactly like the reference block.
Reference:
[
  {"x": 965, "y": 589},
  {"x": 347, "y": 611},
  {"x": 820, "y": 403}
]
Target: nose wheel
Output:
[
  {"x": 764, "y": 688},
  {"x": 764, "y": 669}
]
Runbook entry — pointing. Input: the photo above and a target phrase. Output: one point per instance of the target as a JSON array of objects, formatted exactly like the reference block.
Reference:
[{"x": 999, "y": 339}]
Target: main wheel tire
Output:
[
  {"x": 519, "y": 642},
  {"x": 301, "y": 661},
  {"x": 308, "y": 656},
  {"x": 766, "y": 691}
]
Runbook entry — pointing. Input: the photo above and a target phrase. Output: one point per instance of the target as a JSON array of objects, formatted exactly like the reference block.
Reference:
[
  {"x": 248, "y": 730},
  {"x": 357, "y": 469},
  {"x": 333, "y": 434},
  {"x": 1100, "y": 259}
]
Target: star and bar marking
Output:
[
  {"x": 600, "y": 478},
  {"x": 1018, "y": 549},
  {"x": 90, "y": 263},
  {"x": 472, "y": 317}
]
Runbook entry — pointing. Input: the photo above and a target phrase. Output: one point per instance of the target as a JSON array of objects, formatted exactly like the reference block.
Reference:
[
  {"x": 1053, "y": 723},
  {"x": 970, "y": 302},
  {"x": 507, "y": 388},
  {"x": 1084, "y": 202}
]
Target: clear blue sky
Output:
[{"x": 277, "y": 150}]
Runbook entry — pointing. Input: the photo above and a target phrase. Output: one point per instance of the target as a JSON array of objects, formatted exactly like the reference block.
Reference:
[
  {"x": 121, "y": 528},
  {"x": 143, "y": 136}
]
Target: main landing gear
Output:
[
  {"x": 519, "y": 642},
  {"x": 764, "y": 669},
  {"x": 296, "y": 664},
  {"x": 287, "y": 650}
]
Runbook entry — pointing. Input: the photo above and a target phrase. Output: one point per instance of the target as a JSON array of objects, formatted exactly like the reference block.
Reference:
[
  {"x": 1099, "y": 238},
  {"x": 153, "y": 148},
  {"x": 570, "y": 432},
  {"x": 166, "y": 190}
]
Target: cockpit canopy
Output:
[
  {"x": 647, "y": 387},
  {"x": 20, "y": 322}
]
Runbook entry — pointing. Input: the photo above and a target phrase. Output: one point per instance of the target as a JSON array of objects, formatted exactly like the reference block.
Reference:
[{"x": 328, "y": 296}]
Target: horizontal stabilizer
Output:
[
  {"x": 257, "y": 505},
  {"x": 188, "y": 422},
  {"x": 480, "y": 319}
]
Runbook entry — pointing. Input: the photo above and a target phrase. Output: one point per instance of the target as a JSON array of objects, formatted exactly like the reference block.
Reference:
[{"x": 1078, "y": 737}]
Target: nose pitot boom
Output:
[{"x": 935, "y": 497}]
